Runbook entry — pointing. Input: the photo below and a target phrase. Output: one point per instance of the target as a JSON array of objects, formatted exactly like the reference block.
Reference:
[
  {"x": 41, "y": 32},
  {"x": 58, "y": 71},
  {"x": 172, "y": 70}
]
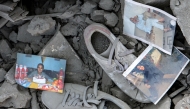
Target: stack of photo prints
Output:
[
  {"x": 160, "y": 64},
  {"x": 39, "y": 72}
]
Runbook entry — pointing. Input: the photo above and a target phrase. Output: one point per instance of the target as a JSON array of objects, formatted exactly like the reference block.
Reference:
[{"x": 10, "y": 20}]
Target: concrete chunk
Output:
[
  {"x": 5, "y": 49},
  {"x": 2, "y": 74},
  {"x": 111, "y": 19},
  {"x": 69, "y": 29},
  {"x": 43, "y": 25},
  {"x": 97, "y": 15},
  {"x": 106, "y": 4},
  {"x": 88, "y": 7},
  {"x": 25, "y": 36},
  {"x": 13, "y": 36},
  {"x": 14, "y": 96}
]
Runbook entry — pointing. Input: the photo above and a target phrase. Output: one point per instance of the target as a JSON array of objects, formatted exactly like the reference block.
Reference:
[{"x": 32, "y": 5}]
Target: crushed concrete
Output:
[
  {"x": 43, "y": 25},
  {"x": 97, "y": 15},
  {"x": 5, "y": 50},
  {"x": 35, "y": 48},
  {"x": 28, "y": 49},
  {"x": 88, "y": 7},
  {"x": 111, "y": 19},
  {"x": 69, "y": 29},
  {"x": 106, "y": 4},
  {"x": 2, "y": 74},
  {"x": 13, "y": 36},
  {"x": 25, "y": 36},
  {"x": 14, "y": 96}
]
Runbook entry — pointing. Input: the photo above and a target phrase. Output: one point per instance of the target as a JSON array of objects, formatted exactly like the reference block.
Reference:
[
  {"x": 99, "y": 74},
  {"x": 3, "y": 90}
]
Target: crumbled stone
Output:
[
  {"x": 88, "y": 7},
  {"x": 14, "y": 96},
  {"x": 5, "y": 49},
  {"x": 43, "y": 25},
  {"x": 13, "y": 37},
  {"x": 88, "y": 21},
  {"x": 20, "y": 45},
  {"x": 25, "y": 36},
  {"x": 5, "y": 31},
  {"x": 2, "y": 74},
  {"x": 115, "y": 30},
  {"x": 27, "y": 49},
  {"x": 69, "y": 29},
  {"x": 111, "y": 19},
  {"x": 35, "y": 47},
  {"x": 164, "y": 103},
  {"x": 123, "y": 40},
  {"x": 97, "y": 15},
  {"x": 106, "y": 4},
  {"x": 176, "y": 99}
]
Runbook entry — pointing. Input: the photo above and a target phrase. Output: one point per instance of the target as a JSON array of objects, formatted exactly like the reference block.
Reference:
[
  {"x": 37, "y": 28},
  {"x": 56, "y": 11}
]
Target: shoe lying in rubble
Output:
[
  {"x": 79, "y": 97},
  {"x": 114, "y": 67}
]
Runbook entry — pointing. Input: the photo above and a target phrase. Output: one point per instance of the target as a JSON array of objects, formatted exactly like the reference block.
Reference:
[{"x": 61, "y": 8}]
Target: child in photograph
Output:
[
  {"x": 39, "y": 73},
  {"x": 147, "y": 20}
]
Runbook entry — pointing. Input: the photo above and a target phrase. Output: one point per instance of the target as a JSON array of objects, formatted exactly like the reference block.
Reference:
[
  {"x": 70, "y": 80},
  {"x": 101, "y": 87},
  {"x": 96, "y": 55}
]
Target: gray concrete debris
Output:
[
  {"x": 5, "y": 31},
  {"x": 34, "y": 102},
  {"x": 176, "y": 99},
  {"x": 180, "y": 10},
  {"x": 111, "y": 19},
  {"x": 13, "y": 36},
  {"x": 70, "y": 29},
  {"x": 14, "y": 96},
  {"x": 5, "y": 49},
  {"x": 27, "y": 49},
  {"x": 25, "y": 36},
  {"x": 88, "y": 21},
  {"x": 10, "y": 75},
  {"x": 41, "y": 26},
  {"x": 97, "y": 15},
  {"x": 3, "y": 22},
  {"x": 177, "y": 92},
  {"x": 186, "y": 69},
  {"x": 58, "y": 47},
  {"x": 183, "y": 103},
  {"x": 7, "y": 6},
  {"x": 164, "y": 103},
  {"x": 88, "y": 7},
  {"x": 61, "y": 6},
  {"x": 123, "y": 40},
  {"x": 35, "y": 48},
  {"x": 2, "y": 74},
  {"x": 106, "y": 4},
  {"x": 16, "y": 23}
]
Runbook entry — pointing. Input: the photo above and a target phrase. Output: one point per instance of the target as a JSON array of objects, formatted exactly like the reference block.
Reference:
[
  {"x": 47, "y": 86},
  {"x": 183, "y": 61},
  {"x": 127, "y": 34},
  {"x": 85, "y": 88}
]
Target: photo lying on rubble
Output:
[
  {"x": 40, "y": 72},
  {"x": 150, "y": 25},
  {"x": 154, "y": 72}
]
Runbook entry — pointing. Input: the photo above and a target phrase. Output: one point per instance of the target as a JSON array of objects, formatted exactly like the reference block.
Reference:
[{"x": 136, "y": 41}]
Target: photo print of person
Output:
[
  {"x": 40, "y": 72},
  {"x": 153, "y": 72},
  {"x": 150, "y": 25}
]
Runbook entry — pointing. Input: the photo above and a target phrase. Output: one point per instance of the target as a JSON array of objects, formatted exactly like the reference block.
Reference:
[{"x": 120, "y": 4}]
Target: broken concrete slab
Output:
[
  {"x": 111, "y": 19},
  {"x": 43, "y": 25},
  {"x": 27, "y": 49},
  {"x": 3, "y": 22},
  {"x": 165, "y": 103},
  {"x": 5, "y": 50},
  {"x": 25, "y": 36},
  {"x": 13, "y": 37},
  {"x": 70, "y": 29},
  {"x": 88, "y": 7},
  {"x": 7, "y": 6},
  {"x": 6, "y": 31},
  {"x": 10, "y": 75},
  {"x": 180, "y": 10},
  {"x": 2, "y": 74},
  {"x": 106, "y": 4},
  {"x": 14, "y": 96},
  {"x": 97, "y": 15},
  {"x": 58, "y": 47}
]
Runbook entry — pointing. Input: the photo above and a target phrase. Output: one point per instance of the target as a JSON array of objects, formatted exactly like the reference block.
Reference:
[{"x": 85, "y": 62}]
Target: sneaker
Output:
[
  {"x": 79, "y": 97},
  {"x": 114, "y": 67}
]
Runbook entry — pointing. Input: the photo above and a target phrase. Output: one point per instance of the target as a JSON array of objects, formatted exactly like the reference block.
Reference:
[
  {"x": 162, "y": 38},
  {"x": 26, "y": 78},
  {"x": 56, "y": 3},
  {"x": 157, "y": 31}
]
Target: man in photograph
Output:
[{"x": 147, "y": 20}]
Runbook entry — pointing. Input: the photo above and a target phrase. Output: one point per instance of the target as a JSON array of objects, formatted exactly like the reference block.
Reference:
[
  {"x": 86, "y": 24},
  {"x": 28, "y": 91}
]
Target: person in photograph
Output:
[
  {"x": 39, "y": 72},
  {"x": 147, "y": 20}
]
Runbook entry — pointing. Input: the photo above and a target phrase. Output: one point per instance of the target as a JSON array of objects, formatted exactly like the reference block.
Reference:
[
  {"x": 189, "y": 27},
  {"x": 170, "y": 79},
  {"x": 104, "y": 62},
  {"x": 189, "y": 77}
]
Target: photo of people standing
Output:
[{"x": 150, "y": 25}]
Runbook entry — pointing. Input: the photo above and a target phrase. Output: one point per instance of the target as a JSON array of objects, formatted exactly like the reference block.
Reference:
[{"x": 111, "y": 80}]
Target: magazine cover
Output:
[
  {"x": 40, "y": 72},
  {"x": 150, "y": 25},
  {"x": 154, "y": 72}
]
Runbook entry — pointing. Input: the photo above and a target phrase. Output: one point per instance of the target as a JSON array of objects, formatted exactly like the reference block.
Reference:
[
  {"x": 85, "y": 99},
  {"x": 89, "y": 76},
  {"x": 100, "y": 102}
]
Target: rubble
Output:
[
  {"x": 27, "y": 49},
  {"x": 5, "y": 49},
  {"x": 25, "y": 36},
  {"x": 14, "y": 96},
  {"x": 88, "y": 7},
  {"x": 41, "y": 26},
  {"x": 106, "y": 4},
  {"x": 97, "y": 15},
  {"x": 111, "y": 19},
  {"x": 2, "y": 74},
  {"x": 13, "y": 36},
  {"x": 69, "y": 29}
]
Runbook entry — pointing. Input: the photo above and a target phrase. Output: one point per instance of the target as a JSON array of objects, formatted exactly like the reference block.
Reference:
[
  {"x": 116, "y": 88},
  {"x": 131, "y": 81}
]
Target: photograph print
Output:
[
  {"x": 150, "y": 25},
  {"x": 40, "y": 72}
]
